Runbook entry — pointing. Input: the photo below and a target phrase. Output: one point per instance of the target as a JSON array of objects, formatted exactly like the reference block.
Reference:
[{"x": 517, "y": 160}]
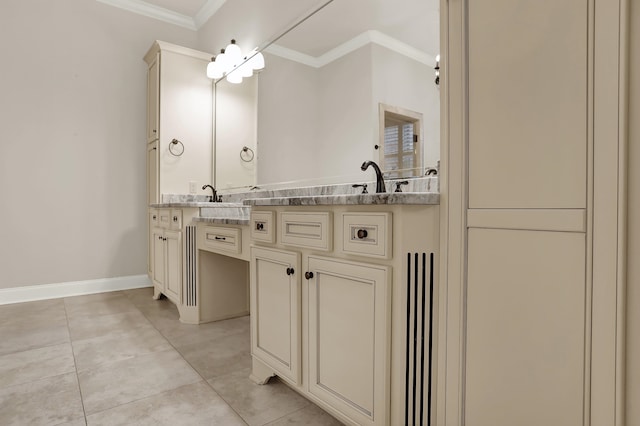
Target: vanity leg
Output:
[
  {"x": 260, "y": 373},
  {"x": 156, "y": 293}
]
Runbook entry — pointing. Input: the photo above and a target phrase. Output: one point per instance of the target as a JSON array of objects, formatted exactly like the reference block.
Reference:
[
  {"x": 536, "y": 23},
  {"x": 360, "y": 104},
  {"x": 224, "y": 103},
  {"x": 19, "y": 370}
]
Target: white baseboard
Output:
[{"x": 75, "y": 288}]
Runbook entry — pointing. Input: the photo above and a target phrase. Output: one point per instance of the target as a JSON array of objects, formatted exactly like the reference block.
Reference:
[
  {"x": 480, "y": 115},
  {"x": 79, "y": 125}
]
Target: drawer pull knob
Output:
[
  {"x": 290, "y": 271},
  {"x": 220, "y": 238},
  {"x": 175, "y": 218},
  {"x": 259, "y": 226},
  {"x": 362, "y": 233},
  {"x": 154, "y": 217},
  {"x": 308, "y": 275}
]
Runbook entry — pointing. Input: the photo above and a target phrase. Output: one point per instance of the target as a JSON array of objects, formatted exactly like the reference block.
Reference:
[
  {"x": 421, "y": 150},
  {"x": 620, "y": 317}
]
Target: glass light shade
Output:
[
  {"x": 438, "y": 57},
  {"x": 214, "y": 70},
  {"x": 245, "y": 70},
  {"x": 257, "y": 61},
  {"x": 222, "y": 63},
  {"x": 233, "y": 53},
  {"x": 234, "y": 77}
]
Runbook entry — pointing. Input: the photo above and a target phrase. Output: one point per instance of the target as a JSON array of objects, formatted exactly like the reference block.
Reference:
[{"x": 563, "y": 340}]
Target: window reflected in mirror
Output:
[{"x": 400, "y": 147}]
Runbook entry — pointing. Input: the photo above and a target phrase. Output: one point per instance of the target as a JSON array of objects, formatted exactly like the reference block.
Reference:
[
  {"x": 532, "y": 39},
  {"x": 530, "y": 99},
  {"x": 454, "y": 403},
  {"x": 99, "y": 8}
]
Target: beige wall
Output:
[
  {"x": 633, "y": 259},
  {"x": 72, "y": 120},
  {"x": 282, "y": 123}
]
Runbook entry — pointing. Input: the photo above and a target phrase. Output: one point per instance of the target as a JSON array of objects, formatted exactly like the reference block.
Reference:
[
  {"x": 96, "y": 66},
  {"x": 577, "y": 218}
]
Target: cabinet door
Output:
[
  {"x": 153, "y": 101},
  {"x": 275, "y": 310},
  {"x": 173, "y": 259},
  {"x": 525, "y": 328},
  {"x": 157, "y": 237},
  {"x": 349, "y": 319},
  {"x": 152, "y": 173}
]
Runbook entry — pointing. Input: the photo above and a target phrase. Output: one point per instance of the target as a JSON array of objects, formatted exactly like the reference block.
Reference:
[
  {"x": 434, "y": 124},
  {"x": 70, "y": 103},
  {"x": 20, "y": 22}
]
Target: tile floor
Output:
[{"x": 122, "y": 358}]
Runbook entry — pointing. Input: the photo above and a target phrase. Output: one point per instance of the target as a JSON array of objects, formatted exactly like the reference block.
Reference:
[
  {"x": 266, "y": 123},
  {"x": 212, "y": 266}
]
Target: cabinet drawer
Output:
[
  {"x": 176, "y": 219},
  {"x": 311, "y": 230},
  {"x": 367, "y": 234},
  {"x": 164, "y": 218},
  {"x": 263, "y": 227},
  {"x": 217, "y": 238}
]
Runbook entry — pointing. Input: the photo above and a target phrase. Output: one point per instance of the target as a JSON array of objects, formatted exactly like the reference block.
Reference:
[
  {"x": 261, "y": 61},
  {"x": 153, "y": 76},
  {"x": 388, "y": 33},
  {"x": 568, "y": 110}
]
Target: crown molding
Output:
[
  {"x": 207, "y": 11},
  {"x": 294, "y": 55},
  {"x": 367, "y": 37},
  {"x": 156, "y": 12}
]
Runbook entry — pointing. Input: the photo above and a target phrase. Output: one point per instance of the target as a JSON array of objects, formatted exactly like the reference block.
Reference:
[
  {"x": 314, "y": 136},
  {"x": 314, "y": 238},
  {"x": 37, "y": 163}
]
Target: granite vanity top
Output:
[
  {"x": 411, "y": 198},
  {"x": 182, "y": 204},
  {"x": 236, "y": 209}
]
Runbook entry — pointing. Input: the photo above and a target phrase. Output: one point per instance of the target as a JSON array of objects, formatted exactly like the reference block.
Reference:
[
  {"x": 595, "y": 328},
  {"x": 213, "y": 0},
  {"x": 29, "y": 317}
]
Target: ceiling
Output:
[{"x": 399, "y": 24}]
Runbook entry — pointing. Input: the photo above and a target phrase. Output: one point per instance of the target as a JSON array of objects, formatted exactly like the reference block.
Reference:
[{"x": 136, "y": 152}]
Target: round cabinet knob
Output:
[
  {"x": 259, "y": 226},
  {"x": 175, "y": 218},
  {"x": 290, "y": 271},
  {"x": 154, "y": 217},
  {"x": 308, "y": 275},
  {"x": 362, "y": 233}
]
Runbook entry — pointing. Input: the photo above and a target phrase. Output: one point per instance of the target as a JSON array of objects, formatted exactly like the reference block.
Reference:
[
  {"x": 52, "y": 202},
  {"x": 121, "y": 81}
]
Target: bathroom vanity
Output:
[
  {"x": 199, "y": 254},
  {"x": 340, "y": 289},
  {"x": 342, "y": 301}
]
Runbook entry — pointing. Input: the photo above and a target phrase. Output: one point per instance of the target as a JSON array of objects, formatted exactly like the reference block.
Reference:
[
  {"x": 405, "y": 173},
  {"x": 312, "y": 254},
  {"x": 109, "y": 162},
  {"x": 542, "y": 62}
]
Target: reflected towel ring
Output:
[
  {"x": 174, "y": 149},
  {"x": 246, "y": 154}
]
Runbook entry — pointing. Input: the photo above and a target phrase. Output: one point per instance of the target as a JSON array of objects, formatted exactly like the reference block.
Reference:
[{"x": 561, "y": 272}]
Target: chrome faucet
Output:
[
  {"x": 379, "y": 179},
  {"x": 215, "y": 198}
]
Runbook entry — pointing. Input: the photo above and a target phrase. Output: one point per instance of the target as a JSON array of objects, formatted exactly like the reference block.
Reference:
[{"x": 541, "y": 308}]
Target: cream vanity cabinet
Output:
[
  {"x": 329, "y": 305},
  {"x": 202, "y": 268},
  {"x": 170, "y": 269},
  {"x": 165, "y": 247}
]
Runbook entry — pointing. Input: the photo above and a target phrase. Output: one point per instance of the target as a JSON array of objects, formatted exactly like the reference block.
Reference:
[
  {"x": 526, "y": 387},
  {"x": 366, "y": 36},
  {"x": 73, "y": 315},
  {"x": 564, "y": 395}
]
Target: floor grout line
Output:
[{"x": 75, "y": 364}]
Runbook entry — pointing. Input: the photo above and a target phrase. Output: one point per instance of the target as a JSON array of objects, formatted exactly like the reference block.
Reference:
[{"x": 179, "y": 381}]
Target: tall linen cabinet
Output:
[
  {"x": 179, "y": 141},
  {"x": 533, "y": 183}
]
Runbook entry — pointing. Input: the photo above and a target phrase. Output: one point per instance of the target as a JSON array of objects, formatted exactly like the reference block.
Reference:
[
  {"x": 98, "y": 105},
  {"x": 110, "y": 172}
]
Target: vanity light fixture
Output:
[
  {"x": 231, "y": 58},
  {"x": 437, "y": 68}
]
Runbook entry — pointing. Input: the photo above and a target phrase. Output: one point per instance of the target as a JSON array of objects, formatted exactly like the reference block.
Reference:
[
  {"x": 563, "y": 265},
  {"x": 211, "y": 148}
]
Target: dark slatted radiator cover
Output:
[
  {"x": 419, "y": 338},
  {"x": 190, "y": 266}
]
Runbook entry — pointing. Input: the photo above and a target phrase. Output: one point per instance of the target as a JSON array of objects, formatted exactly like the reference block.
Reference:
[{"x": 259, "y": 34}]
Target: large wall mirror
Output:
[{"x": 353, "y": 82}]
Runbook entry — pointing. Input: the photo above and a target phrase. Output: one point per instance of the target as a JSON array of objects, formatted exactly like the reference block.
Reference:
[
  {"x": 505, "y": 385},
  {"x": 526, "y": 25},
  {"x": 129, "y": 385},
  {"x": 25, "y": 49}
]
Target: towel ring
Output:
[
  {"x": 174, "y": 149},
  {"x": 246, "y": 154}
]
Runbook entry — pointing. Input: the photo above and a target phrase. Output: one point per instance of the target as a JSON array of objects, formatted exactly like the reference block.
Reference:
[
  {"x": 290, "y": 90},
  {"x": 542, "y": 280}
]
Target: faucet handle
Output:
[
  {"x": 399, "y": 184},
  {"x": 361, "y": 185}
]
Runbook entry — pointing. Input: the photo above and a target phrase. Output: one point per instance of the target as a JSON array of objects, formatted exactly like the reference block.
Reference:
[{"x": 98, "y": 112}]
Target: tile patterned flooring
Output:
[{"x": 122, "y": 358}]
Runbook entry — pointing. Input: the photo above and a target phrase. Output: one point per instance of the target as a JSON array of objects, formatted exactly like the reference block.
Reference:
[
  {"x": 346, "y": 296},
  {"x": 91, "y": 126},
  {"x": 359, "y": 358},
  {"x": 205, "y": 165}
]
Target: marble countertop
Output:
[
  {"x": 194, "y": 204},
  {"x": 411, "y": 198},
  {"x": 221, "y": 220}
]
